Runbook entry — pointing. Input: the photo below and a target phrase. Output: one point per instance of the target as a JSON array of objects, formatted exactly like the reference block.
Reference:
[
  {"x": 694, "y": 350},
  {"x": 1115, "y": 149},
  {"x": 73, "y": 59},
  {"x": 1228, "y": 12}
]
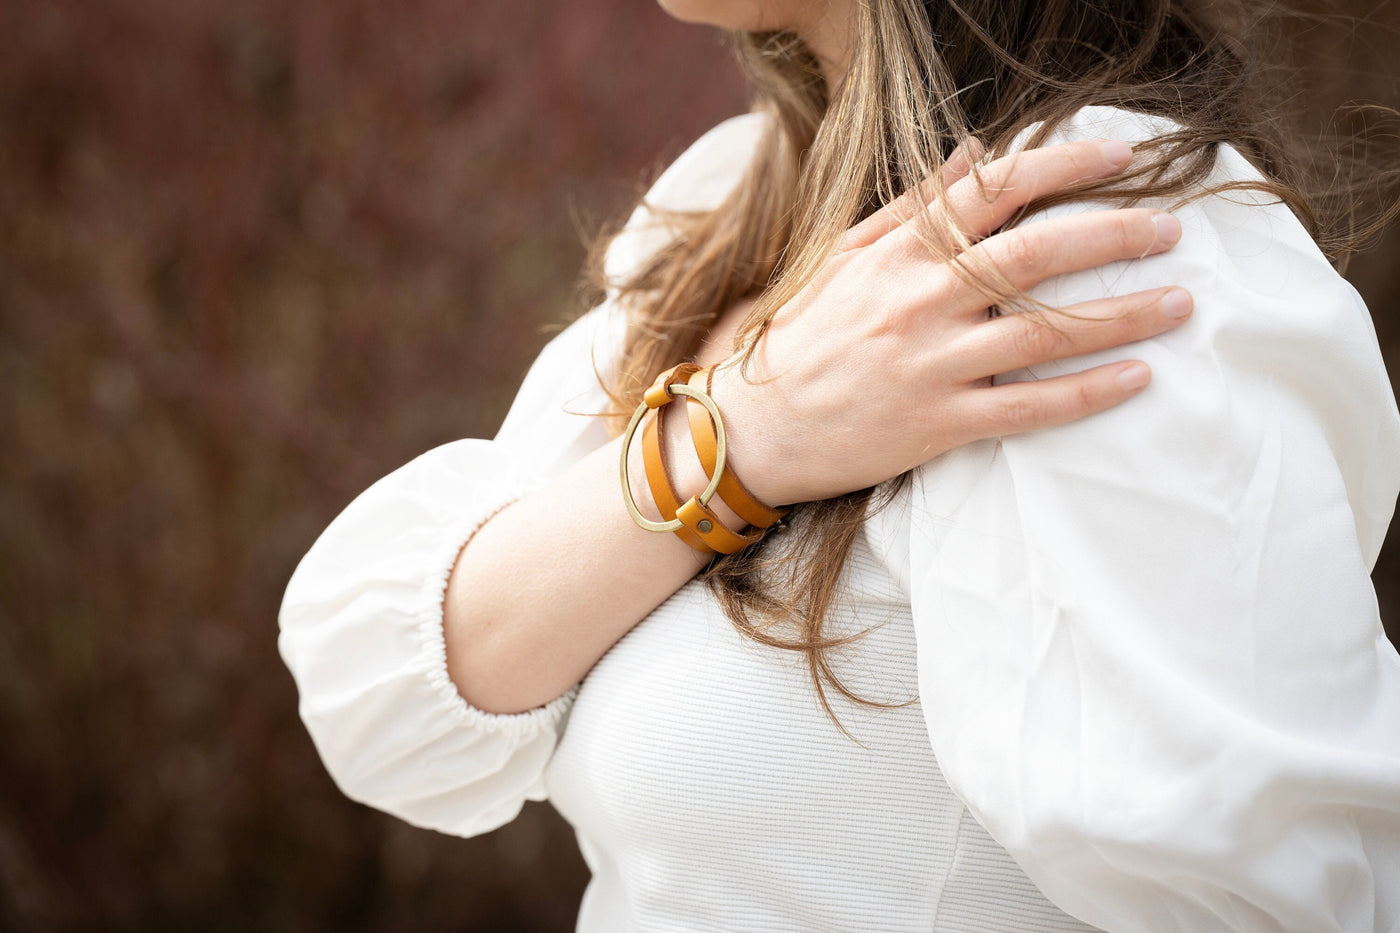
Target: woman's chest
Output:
[
  {"x": 693, "y": 745},
  {"x": 711, "y": 791}
]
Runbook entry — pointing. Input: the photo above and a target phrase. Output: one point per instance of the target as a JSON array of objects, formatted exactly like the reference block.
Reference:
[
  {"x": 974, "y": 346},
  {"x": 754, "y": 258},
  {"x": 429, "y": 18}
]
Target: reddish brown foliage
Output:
[{"x": 253, "y": 256}]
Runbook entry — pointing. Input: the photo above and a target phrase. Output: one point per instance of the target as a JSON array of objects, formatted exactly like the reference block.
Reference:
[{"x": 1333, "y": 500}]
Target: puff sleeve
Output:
[
  {"x": 1150, "y": 657},
  {"x": 361, "y": 620}
]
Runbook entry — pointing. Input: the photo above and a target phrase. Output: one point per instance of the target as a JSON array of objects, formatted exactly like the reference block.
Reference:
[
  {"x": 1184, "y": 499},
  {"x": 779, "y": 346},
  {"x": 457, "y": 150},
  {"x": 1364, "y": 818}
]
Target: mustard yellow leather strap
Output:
[
  {"x": 705, "y": 523},
  {"x": 734, "y": 493},
  {"x": 695, "y": 514},
  {"x": 659, "y": 478}
]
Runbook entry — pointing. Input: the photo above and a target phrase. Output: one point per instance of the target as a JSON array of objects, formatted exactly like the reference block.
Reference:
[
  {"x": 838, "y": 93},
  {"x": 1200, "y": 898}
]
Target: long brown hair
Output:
[{"x": 926, "y": 75}]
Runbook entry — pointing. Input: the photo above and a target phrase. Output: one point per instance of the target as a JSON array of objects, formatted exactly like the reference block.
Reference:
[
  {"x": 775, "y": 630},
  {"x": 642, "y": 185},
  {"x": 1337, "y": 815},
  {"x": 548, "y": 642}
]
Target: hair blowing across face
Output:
[{"x": 925, "y": 76}]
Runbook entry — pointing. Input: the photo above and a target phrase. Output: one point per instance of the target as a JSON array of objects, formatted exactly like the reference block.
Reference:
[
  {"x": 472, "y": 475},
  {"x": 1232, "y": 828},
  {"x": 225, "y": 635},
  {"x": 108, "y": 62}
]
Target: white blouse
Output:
[{"x": 1153, "y": 691}]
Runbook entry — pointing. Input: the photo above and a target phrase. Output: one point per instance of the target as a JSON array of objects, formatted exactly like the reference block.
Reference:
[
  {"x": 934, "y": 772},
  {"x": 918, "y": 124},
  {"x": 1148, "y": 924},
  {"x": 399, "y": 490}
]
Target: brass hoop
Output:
[{"x": 721, "y": 451}]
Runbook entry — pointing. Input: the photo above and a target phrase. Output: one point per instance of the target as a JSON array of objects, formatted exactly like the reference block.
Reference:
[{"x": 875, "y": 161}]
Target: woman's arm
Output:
[
  {"x": 362, "y": 619},
  {"x": 367, "y": 631},
  {"x": 880, "y": 365}
]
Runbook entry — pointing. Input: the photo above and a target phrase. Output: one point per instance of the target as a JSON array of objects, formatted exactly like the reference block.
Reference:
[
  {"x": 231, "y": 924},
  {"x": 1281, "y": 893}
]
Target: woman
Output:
[{"x": 1021, "y": 656}]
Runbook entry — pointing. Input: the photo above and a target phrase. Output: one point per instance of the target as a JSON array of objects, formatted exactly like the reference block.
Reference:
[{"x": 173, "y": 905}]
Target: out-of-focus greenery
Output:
[{"x": 253, "y": 256}]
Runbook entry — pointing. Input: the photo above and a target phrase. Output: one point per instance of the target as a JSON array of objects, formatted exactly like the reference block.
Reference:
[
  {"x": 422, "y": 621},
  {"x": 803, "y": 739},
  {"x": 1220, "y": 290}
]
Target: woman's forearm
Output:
[{"x": 550, "y": 583}]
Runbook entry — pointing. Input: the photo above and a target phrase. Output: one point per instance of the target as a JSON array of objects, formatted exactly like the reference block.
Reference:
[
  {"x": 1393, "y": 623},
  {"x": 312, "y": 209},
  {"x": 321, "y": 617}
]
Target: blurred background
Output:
[{"x": 253, "y": 256}]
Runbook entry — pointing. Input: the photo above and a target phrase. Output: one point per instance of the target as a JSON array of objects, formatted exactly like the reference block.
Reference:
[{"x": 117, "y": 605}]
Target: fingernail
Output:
[
  {"x": 1133, "y": 376},
  {"x": 1168, "y": 228},
  {"x": 1118, "y": 153},
  {"x": 1176, "y": 303}
]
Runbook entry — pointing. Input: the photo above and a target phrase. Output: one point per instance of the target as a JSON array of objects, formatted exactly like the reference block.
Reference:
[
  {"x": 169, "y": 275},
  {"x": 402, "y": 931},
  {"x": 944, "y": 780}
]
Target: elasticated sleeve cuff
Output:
[{"x": 362, "y": 634}]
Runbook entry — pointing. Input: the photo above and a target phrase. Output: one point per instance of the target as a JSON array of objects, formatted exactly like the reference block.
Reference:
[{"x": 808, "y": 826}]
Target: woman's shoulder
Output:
[
  {"x": 1234, "y": 235},
  {"x": 1277, "y": 333},
  {"x": 709, "y": 169},
  {"x": 1101, "y": 121},
  {"x": 698, "y": 180}
]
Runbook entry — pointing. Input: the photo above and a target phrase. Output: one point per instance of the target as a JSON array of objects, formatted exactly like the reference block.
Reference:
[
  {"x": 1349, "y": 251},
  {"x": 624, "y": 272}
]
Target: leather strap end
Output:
[
  {"x": 707, "y": 526},
  {"x": 659, "y": 392}
]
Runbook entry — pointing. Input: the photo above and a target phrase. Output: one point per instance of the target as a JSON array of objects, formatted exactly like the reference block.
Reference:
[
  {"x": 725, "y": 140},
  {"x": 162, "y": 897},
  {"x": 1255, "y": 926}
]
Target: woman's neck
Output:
[{"x": 830, "y": 34}]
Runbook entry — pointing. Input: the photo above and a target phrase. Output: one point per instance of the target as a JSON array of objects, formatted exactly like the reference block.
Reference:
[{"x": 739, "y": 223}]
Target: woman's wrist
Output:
[
  {"x": 755, "y": 452},
  {"x": 687, "y": 475}
]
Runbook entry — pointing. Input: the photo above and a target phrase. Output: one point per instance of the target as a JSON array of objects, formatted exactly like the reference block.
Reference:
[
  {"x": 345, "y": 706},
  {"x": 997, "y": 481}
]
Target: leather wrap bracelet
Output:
[{"x": 693, "y": 521}]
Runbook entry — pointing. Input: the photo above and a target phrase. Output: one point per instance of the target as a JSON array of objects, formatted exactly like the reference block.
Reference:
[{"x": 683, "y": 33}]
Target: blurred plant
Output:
[{"x": 253, "y": 256}]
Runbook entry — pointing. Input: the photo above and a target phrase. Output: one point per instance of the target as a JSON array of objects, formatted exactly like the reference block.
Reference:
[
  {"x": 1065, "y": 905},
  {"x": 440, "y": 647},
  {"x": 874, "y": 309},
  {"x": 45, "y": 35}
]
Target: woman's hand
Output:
[
  {"x": 886, "y": 359},
  {"x": 881, "y": 364}
]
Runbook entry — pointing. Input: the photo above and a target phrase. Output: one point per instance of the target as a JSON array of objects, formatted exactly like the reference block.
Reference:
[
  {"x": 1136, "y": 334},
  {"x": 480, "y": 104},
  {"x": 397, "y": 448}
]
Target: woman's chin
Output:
[{"x": 743, "y": 15}]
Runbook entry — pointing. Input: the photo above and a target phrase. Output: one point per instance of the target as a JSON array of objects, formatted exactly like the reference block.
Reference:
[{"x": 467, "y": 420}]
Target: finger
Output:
[
  {"x": 898, "y": 212},
  {"x": 1016, "y": 341},
  {"x": 982, "y": 202},
  {"x": 961, "y": 160},
  {"x": 1017, "y": 407},
  {"x": 1027, "y": 256}
]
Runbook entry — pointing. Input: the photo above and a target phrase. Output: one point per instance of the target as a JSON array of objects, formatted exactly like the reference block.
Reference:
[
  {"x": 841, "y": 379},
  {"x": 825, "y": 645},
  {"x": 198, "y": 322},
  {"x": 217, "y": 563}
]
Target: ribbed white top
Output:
[{"x": 711, "y": 792}]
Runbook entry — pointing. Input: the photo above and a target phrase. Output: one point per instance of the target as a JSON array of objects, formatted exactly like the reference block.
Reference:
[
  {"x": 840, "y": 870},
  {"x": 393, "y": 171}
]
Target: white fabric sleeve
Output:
[
  {"x": 1150, "y": 656},
  {"x": 361, "y": 621},
  {"x": 362, "y": 617}
]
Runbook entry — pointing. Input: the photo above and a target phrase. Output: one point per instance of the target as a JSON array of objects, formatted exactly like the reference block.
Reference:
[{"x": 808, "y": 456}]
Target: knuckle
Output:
[
  {"x": 886, "y": 322},
  {"x": 1135, "y": 233},
  {"x": 1139, "y": 313},
  {"x": 1023, "y": 411},
  {"x": 1022, "y": 250},
  {"x": 1065, "y": 163},
  {"x": 1125, "y": 232},
  {"x": 995, "y": 172},
  {"x": 1087, "y": 158},
  {"x": 997, "y": 179},
  {"x": 1086, "y": 397},
  {"x": 853, "y": 238},
  {"x": 901, "y": 255},
  {"x": 1030, "y": 341},
  {"x": 891, "y": 313}
]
